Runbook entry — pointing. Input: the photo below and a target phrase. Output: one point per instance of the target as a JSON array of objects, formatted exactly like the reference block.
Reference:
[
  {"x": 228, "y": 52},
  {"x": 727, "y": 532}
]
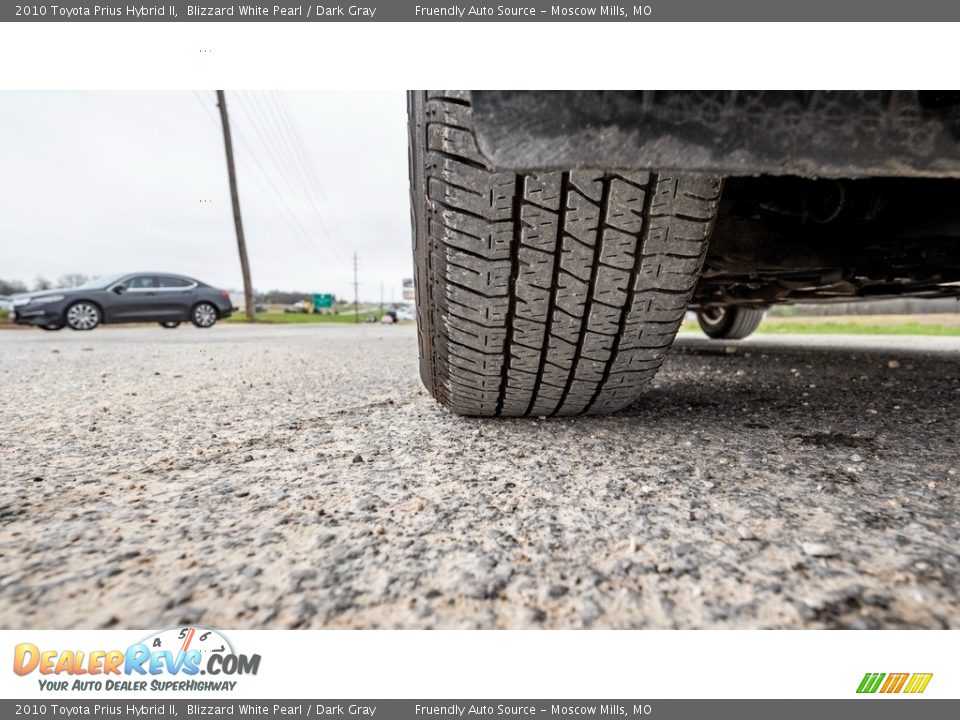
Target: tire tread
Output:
[{"x": 544, "y": 294}]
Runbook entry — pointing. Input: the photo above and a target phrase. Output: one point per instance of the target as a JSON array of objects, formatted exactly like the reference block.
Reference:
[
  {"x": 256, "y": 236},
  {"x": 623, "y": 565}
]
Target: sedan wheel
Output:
[
  {"x": 204, "y": 315},
  {"x": 169, "y": 323},
  {"x": 83, "y": 316},
  {"x": 50, "y": 327},
  {"x": 729, "y": 323}
]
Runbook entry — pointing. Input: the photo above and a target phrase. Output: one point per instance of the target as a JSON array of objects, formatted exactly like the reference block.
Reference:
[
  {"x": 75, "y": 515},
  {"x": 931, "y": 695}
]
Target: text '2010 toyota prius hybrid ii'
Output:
[{"x": 135, "y": 297}]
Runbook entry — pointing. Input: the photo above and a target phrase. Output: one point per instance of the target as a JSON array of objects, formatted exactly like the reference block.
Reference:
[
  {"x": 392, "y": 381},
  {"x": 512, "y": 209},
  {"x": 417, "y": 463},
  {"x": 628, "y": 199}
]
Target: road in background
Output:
[{"x": 300, "y": 476}]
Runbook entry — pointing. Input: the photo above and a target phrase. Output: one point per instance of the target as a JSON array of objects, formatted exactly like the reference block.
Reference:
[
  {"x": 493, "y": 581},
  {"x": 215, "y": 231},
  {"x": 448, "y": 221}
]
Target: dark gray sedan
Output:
[{"x": 135, "y": 297}]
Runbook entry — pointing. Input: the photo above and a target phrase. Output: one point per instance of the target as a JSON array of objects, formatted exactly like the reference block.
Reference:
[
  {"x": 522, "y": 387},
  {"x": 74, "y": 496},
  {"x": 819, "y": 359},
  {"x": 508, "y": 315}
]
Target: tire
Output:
[
  {"x": 50, "y": 327},
  {"x": 543, "y": 294},
  {"x": 204, "y": 315},
  {"x": 83, "y": 315},
  {"x": 169, "y": 324},
  {"x": 729, "y": 323}
]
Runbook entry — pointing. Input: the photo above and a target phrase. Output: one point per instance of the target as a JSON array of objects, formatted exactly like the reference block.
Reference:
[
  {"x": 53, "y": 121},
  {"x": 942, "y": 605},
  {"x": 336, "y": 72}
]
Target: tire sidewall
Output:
[{"x": 416, "y": 147}]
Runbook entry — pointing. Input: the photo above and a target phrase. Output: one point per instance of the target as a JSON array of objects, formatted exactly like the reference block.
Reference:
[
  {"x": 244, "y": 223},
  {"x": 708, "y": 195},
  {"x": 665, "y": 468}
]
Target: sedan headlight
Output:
[
  {"x": 46, "y": 299},
  {"x": 19, "y": 302}
]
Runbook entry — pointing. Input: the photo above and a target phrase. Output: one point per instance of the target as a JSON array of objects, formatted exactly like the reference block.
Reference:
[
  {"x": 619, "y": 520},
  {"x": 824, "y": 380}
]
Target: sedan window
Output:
[
  {"x": 141, "y": 282},
  {"x": 168, "y": 281}
]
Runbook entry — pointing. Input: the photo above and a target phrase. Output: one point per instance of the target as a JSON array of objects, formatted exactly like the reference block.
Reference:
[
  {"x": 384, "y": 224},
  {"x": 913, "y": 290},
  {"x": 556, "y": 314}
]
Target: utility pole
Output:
[
  {"x": 235, "y": 199},
  {"x": 381, "y": 297},
  {"x": 356, "y": 285}
]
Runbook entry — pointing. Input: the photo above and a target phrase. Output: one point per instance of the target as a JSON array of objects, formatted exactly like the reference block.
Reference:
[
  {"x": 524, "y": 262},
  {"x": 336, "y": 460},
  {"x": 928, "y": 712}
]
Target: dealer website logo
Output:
[
  {"x": 170, "y": 660},
  {"x": 913, "y": 683}
]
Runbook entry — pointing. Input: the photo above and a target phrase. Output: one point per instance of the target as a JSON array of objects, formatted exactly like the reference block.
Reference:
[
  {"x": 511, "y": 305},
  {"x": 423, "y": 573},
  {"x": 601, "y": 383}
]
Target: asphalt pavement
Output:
[{"x": 300, "y": 476}]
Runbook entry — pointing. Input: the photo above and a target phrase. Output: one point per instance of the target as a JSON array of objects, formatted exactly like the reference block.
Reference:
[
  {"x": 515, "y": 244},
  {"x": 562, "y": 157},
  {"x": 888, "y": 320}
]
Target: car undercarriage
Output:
[{"x": 785, "y": 239}]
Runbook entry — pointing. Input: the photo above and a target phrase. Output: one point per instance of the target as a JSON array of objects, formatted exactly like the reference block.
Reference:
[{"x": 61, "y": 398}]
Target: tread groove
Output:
[
  {"x": 591, "y": 289},
  {"x": 512, "y": 305},
  {"x": 552, "y": 301},
  {"x": 458, "y": 158},
  {"x": 454, "y": 208},
  {"x": 631, "y": 289}
]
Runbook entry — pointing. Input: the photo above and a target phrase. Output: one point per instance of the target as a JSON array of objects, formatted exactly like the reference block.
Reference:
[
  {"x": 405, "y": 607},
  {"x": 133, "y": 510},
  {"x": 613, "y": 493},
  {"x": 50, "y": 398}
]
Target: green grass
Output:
[
  {"x": 280, "y": 318},
  {"x": 809, "y": 326}
]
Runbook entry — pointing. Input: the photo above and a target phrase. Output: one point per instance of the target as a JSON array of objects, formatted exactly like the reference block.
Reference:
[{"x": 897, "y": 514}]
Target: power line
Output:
[
  {"x": 268, "y": 115},
  {"x": 286, "y": 214},
  {"x": 284, "y": 105},
  {"x": 278, "y": 200},
  {"x": 299, "y": 158},
  {"x": 277, "y": 145},
  {"x": 271, "y": 151}
]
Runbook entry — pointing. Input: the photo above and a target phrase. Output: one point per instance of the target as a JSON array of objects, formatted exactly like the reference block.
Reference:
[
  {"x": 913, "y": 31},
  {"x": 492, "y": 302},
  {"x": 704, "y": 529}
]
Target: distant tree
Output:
[
  {"x": 72, "y": 280},
  {"x": 10, "y": 287},
  {"x": 41, "y": 283}
]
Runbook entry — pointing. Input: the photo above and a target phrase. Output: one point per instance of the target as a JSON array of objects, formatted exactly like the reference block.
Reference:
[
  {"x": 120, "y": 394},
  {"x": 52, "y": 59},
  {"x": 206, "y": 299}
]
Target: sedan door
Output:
[
  {"x": 130, "y": 300},
  {"x": 174, "y": 297}
]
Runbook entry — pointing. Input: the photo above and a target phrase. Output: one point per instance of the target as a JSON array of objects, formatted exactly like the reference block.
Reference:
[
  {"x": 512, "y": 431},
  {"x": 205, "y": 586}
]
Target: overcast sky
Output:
[{"x": 104, "y": 183}]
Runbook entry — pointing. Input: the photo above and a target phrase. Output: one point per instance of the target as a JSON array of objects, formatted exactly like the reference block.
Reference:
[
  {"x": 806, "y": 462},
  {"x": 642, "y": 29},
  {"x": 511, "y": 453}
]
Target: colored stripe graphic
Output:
[
  {"x": 918, "y": 682},
  {"x": 870, "y": 682},
  {"x": 894, "y": 683}
]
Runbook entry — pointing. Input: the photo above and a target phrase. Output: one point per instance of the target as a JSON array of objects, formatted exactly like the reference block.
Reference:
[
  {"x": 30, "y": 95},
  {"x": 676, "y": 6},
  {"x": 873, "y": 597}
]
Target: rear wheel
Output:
[
  {"x": 50, "y": 327},
  {"x": 204, "y": 315},
  {"x": 554, "y": 293},
  {"x": 729, "y": 323},
  {"x": 169, "y": 324}
]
